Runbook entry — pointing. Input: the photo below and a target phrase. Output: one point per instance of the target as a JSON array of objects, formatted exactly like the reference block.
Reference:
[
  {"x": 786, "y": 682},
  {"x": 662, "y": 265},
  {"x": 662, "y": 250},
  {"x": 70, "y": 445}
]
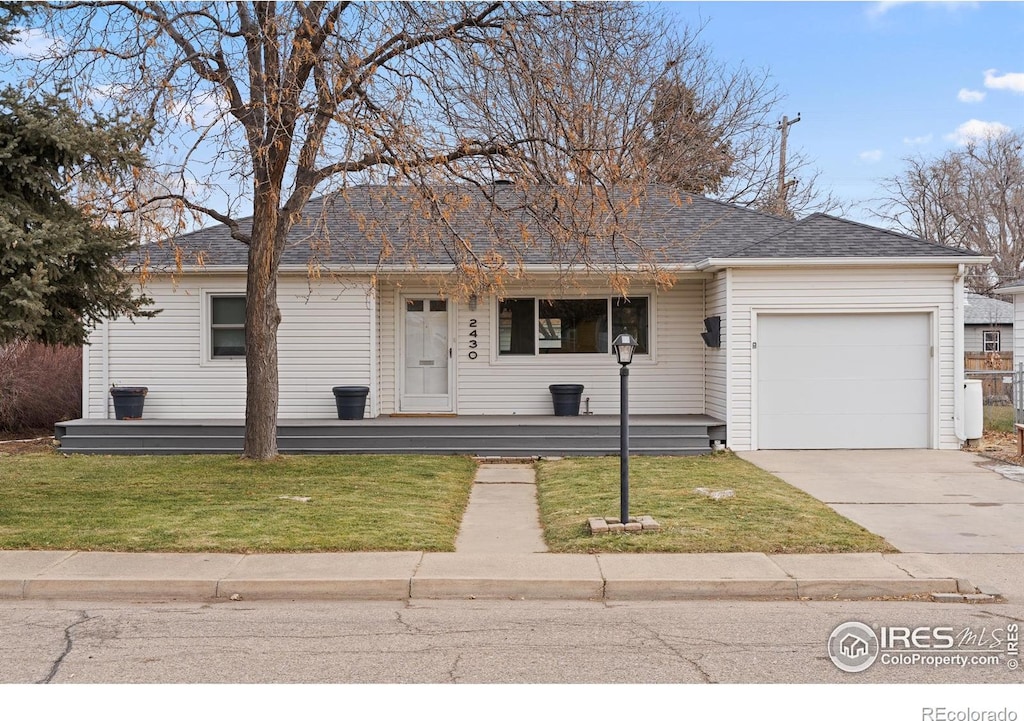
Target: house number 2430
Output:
[{"x": 473, "y": 355}]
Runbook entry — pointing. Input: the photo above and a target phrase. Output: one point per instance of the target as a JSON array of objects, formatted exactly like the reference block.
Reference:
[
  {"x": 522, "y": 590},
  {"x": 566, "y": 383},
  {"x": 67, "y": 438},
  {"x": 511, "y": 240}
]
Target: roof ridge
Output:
[{"x": 857, "y": 224}]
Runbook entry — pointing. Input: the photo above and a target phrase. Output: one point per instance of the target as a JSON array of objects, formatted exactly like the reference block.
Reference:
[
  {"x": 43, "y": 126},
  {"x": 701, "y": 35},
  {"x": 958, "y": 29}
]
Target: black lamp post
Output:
[{"x": 624, "y": 346}]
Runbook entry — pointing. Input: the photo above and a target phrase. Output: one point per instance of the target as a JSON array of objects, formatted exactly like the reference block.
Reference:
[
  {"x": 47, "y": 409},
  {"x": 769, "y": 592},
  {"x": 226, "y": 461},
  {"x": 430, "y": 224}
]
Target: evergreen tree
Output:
[{"x": 60, "y": 265}]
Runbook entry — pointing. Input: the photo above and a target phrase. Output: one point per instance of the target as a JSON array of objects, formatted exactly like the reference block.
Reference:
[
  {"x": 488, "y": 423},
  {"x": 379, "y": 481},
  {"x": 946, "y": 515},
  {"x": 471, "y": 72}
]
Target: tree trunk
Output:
[{"x": 262, "y": 318}]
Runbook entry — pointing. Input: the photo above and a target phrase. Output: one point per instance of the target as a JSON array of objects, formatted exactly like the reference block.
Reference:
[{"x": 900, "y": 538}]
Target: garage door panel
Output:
[
  {"x": 819, "y": 431},
  {"x": 837, "y": 329},
  {"x": 848, "y": 361},
  {"x": 843, "y": 395},
  {"x": 844, "y": 381}
]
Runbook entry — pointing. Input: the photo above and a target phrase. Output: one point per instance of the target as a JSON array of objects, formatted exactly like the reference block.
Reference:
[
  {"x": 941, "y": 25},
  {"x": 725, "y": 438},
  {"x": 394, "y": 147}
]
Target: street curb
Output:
[{"x": 411, "y": 576}]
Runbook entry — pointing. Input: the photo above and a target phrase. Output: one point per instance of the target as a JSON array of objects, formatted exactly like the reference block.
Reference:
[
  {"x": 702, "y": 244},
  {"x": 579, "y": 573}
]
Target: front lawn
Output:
[
  {"x": 766, "y": 514},
  {"x": 223, "y": 504}
]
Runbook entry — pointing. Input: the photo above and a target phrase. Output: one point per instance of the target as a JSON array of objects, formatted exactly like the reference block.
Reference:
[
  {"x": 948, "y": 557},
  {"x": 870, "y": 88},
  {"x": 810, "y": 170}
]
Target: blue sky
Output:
[{"x": 875, "y": 82}]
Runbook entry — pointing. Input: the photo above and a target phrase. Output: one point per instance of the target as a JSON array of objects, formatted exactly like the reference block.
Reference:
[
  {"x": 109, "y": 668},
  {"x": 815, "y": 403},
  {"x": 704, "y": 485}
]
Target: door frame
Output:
[{"x": 422, "y": 404}]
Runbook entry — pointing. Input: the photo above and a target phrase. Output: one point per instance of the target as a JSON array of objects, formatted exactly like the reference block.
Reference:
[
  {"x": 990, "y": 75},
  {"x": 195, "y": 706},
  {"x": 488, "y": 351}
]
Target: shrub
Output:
[{"x": 39, "y": 385}]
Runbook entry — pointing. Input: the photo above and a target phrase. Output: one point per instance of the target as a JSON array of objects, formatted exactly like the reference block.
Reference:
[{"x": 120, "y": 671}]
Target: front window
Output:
[
  {"x": 530, "y": 326},
  {"x": 991, "y": 341},
  {"x": 227, "y": 326}
]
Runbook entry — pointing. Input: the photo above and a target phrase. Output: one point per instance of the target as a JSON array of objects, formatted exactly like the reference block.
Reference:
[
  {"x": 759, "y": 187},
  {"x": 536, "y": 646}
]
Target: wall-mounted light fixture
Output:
[{"x": 472, "y": 301}]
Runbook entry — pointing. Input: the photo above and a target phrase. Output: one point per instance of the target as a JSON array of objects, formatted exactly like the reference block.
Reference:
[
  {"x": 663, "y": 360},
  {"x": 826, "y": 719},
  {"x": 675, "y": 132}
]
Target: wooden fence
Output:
[{"x": 993, "y": 370}]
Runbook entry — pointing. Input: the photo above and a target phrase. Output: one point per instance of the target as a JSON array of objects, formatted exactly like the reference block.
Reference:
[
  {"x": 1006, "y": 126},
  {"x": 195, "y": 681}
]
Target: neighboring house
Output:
[
  {"x": 833, "y": 334},
  {"x": 988, "y": 325},
  {"x": 1015, "y": 290}
]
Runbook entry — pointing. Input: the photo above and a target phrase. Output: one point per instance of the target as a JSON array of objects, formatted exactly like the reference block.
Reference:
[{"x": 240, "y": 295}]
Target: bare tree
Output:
[
  {"x": 970, "y": 198},
  {"x": 257, "y": 106}
]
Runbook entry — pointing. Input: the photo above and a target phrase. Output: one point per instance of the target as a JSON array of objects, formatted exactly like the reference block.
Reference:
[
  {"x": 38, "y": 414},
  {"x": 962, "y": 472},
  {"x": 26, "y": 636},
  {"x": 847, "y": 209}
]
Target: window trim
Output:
[
  {"x": 985, "y": 341},
  {"x": 206, "y": 356},
  {"x": 497, "y": 358}
]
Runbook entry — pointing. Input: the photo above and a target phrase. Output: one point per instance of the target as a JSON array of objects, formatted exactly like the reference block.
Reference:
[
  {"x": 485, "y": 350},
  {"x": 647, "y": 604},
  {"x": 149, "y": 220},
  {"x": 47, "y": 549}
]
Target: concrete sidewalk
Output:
[{"x": 72, "y": 575}]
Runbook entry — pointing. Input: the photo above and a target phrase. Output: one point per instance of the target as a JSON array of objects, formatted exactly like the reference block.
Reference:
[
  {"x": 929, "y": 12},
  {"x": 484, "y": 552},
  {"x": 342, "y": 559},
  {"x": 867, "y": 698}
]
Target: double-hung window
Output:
[
  {"x": 227, "y": 326},
  {"x": 990, "y": 340},
  {"x": 532, "y": 326}
]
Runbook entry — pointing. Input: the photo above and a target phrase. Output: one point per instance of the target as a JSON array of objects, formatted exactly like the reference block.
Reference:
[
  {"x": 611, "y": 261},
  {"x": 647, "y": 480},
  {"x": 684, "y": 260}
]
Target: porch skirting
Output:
[{"x": 513, "y": 436}]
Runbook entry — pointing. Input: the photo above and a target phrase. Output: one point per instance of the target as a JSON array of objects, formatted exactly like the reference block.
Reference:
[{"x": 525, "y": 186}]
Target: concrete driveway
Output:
[{"x": 921, "y": 501}]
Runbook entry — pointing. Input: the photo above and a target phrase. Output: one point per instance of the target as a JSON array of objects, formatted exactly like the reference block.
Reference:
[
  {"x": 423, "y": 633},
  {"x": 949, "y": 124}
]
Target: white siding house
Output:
[
  {"x": 1015, "y": 292},
  {"x": 832, "y": 334},
  {"x": 988, "y": 325}
]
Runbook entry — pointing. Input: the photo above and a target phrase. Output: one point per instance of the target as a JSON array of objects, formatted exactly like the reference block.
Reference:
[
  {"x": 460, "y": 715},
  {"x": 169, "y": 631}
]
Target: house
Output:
[
  {"x": 988, "y": 325},
  {"x": 833, "y": 334},
  {"x": 1014, "y": 291}
]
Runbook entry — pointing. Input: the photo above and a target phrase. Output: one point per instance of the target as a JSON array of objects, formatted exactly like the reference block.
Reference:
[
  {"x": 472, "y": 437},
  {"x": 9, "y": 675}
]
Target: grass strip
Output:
[
  {"x": 765, "y": 515},
  {"x": 225, "y": 504}
]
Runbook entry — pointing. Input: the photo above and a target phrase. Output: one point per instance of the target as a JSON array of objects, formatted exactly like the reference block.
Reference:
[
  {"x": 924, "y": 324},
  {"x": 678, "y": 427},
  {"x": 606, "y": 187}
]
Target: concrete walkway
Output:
[{"x": 502, "y": 513}]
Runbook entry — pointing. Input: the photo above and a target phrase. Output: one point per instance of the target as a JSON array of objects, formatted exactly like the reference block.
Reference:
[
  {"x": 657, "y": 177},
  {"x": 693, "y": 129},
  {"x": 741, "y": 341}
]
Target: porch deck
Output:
[{"x": 514, "y": 436}]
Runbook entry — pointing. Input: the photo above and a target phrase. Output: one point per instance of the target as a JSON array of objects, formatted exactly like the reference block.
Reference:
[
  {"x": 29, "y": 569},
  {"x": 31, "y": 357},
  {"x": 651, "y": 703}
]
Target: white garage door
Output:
[{"x": 843, "y": 381}]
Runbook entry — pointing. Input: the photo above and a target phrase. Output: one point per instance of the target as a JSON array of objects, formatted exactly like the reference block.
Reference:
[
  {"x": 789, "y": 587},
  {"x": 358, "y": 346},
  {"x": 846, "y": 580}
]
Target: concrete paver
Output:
[
  {"x": 348, "y": 576},
  {"x": 133, "y": 575},
  {"x": 537, "y": 576},
  {"x": 502, "y": 516},
  {"x": 505, "y": 473},
  {"x": 667, "y": 576},
  {"x": 875, "y": 574},
  {"x": 17, "y": 566}
]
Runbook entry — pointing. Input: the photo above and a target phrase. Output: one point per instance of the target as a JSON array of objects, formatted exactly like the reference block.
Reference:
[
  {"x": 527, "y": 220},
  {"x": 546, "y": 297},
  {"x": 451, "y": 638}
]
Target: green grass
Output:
[
  {"x": 999, "y": 418},
  {"x": 766, "y": 514},
  {"x": 224, "y": 504}
]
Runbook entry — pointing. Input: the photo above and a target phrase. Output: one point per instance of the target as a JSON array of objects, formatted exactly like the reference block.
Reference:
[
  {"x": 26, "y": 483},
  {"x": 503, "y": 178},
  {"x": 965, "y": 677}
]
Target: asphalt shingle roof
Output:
[
  {"x": 825, "y": 236},
  {"x": 379, "y": 225},
  {"x": 982, "y": 310}
]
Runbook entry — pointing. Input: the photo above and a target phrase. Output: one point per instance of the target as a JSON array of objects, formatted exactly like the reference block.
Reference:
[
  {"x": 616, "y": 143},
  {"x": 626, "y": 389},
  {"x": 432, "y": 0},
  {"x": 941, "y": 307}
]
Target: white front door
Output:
[{"x": 426, "y": 374}]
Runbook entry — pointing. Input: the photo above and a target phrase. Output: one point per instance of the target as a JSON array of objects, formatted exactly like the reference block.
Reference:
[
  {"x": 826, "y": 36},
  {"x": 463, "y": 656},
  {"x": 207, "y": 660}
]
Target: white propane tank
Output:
[{"x": 974, "y": 410}]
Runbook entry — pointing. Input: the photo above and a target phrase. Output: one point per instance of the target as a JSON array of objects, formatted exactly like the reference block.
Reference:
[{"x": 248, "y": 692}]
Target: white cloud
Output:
[
  {"x": 919, "y": 140},
  {"x": 32, "y": 43},
  {"x": 974, "y": 130},
  {"x": 871, "y": 156},
  {"x": 1013, "y": 82},
  {"x": 878, "y": 9},
  {"x": 970, "y": 96}
]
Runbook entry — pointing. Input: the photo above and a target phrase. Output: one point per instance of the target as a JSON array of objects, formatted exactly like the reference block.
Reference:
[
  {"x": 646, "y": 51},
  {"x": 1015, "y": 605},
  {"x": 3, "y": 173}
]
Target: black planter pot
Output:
[
  {"x": 351, "y": 401},
  {"x": 128, "y": 402},
  {"x": 566, "y": 398}
]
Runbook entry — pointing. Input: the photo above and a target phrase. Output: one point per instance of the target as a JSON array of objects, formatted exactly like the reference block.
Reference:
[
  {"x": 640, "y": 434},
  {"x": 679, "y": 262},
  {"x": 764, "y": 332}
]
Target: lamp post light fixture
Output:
[{"x": 624, "y": 345}]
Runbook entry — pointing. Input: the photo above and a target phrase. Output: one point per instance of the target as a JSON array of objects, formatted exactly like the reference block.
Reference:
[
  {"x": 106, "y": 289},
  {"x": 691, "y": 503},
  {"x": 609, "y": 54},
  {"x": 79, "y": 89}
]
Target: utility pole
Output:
[{"x": 782, "y": 207}]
